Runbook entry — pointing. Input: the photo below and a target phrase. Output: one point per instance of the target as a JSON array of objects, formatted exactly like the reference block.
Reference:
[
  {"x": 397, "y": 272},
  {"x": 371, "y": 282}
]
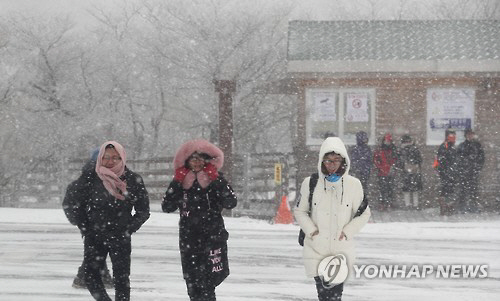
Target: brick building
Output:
[{"x": 403, "y": 77}]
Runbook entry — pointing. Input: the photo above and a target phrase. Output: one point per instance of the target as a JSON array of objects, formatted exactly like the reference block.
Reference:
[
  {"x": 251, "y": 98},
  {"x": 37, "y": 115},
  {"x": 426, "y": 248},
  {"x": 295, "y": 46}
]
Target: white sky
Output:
[{"x": 316, "y": 9}]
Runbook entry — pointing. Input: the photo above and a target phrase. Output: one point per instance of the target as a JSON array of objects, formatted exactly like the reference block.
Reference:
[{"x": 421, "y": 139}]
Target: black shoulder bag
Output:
[{"x": 312, "y": 184}]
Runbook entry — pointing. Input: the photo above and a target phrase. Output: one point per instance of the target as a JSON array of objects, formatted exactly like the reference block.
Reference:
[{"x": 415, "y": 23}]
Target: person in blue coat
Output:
[{"x": 361, "y": 159}]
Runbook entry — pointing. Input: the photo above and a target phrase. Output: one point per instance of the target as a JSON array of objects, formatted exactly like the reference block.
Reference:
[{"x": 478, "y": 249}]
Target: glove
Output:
[
  {"x": 211, "y": 171},
  {"x": 180, "y": 174}
]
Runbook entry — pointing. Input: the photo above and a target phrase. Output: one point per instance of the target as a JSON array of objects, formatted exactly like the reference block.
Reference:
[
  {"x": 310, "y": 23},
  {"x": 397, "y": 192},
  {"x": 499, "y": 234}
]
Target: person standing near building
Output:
[
  {"x": 471, "y": 155},
  {"x": 448, "y": 170},
  {"x": 361, "y": 160},
  {"x": 385, "y": 158},
  {"x": 336, "y": 213},
  {"x": 201, "y": 192},
  {"x": 410, "y": 161},
  {"x": 113, "y": 204}
]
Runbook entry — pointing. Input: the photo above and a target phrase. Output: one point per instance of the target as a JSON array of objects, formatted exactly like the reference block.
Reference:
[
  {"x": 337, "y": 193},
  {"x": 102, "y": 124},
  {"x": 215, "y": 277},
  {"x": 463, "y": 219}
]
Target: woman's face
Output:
[
  {"x": 110, "y": 158},
  {"x": 196, "y": 163},
  {"x": 332, "y": 162}
]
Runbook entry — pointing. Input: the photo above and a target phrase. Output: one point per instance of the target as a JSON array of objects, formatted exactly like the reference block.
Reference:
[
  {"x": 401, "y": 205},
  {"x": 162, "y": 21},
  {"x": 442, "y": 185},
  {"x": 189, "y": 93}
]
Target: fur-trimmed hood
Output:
[{"x": 200, "y": 146}]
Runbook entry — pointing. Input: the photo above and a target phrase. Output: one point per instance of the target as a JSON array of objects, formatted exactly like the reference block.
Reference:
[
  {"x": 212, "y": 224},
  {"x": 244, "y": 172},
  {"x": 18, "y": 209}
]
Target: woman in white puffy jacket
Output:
[{"x": 338, "y": 211}]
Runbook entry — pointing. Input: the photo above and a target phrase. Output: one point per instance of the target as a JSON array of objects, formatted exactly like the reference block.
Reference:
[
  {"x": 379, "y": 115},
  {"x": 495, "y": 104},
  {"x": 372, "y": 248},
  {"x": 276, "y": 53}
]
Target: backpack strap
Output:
[
  {"x": 362, "y": 206},
  {"x": 312, "y": 184}
]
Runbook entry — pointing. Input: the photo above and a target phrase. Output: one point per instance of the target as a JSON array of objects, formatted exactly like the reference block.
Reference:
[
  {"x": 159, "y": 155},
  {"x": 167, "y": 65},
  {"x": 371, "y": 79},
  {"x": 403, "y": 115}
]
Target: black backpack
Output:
[{"x": 312, "y": 184}]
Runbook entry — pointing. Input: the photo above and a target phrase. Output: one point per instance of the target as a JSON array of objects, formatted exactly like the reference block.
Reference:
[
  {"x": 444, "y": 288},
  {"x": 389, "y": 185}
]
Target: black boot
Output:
[
  {"x": 79, "y": 281},
  {"x": 106, "y": 278},
  {"x": 328, "y": 293}
]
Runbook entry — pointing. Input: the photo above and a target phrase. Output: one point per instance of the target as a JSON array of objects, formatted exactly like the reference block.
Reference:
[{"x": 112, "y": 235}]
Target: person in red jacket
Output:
[{"x": 385, "y": 158}]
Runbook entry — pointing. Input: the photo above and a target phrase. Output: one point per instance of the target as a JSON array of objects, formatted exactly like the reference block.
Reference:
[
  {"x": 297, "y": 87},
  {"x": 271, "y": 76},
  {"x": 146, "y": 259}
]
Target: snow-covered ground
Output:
[{"x": 40, "y": 253}]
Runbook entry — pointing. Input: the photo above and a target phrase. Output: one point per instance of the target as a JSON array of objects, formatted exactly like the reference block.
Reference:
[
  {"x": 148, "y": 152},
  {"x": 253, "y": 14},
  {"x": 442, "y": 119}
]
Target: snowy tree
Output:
[{"x": 199, "y": 42}]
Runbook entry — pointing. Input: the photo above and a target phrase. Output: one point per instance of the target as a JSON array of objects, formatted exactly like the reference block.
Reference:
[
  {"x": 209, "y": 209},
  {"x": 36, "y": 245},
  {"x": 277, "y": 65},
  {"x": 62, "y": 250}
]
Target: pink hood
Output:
[{"x": 199, "y": 146}]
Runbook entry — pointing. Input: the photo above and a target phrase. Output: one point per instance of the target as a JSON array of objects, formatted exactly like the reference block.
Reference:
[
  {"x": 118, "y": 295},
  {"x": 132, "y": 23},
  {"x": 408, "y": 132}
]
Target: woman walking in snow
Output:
[
  {"x": 335, "y": 213},
  {"x": 103, "y": 200},
  {"x": 200, "y": 192}
]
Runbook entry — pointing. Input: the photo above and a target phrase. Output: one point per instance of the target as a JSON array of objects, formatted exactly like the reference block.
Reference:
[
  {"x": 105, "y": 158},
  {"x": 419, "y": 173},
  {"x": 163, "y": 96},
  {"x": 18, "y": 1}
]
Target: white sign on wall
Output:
[
  {"x": 357, "y": 107},
  {"x": 448, "y": 108},
  {"x": 324, "y": 106}
]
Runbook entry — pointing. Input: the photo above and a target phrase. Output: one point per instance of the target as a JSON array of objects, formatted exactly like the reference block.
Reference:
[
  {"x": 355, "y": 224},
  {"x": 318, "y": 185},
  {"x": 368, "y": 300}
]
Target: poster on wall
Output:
[
  {"x": 448, "y": 108},
  {"x": 324, "y": 106},
  {"x": 357, "y": 107}
]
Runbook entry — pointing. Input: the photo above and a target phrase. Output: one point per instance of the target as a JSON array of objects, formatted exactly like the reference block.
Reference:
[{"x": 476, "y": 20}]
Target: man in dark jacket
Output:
[
  {"x": 471, "y": 162},
  {"x": 361, "y": 160},
  {"x": 447, "y": 159}
]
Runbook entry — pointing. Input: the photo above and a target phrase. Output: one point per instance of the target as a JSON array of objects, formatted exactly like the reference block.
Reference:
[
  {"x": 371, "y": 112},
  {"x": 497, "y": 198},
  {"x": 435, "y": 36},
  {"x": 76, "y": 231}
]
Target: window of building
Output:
[{"x": 339, "y": 112}]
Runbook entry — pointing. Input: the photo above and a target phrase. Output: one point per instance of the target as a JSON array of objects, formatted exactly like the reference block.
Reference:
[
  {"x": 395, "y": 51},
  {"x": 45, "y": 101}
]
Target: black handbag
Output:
[
  {"x": 312, "y": 184},
  {"x": 217, "y": 263}
]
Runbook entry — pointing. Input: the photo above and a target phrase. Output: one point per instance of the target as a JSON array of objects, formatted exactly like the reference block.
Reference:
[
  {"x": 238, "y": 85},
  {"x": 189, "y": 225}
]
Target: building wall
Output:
[{"x": 401, "y": 109}]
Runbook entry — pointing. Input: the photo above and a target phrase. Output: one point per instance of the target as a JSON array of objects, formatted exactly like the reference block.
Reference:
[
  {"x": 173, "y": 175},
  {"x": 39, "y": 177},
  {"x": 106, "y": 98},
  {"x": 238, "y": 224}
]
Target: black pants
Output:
[
  {"x": 469, "y": 195},
  {"x": 386, "y": 188},
  {"x": 327, "y": 293},
  {"x": 198, "y": 285},
  {"x": 97, "y": 247}
]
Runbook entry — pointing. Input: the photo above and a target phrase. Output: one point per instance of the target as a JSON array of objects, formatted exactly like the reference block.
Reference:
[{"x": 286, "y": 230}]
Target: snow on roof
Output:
[{"x": 394, "y": 40}]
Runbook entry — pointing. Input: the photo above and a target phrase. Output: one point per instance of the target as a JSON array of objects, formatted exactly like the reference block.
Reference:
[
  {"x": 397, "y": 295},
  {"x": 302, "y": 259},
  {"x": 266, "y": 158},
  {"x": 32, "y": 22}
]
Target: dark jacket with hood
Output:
[
  {"x": 361, "y": 157},
  {"x": 88, "y": 204},
  {"x": 201, "y": 226}
]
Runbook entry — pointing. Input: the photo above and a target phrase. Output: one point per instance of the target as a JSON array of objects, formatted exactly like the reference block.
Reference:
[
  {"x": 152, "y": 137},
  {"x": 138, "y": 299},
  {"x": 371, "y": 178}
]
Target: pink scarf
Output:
[
  {"x": 111, "y": 176},
  {"x": 201, "y": 176}
]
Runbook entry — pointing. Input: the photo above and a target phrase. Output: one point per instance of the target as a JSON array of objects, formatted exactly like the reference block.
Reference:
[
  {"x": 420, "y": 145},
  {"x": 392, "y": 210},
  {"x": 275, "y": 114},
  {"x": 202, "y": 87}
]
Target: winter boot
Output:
[
  {"x": 79, "y": 281},
  {"x": 107, "y": 279}
]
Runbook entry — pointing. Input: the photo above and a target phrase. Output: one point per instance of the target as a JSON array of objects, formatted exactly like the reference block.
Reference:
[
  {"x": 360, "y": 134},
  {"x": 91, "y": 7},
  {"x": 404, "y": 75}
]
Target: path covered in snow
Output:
[{"x": 40, "y": 253}]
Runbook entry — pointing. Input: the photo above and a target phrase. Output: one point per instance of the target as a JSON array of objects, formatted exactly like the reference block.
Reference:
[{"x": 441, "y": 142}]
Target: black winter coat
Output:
[
  {"x": 471, "y": 158},
  {"x": 200, "y": 212},
  {"x": 410, "y": 161},
  {"x": 448, "y": 168},
  {"x": 201, "y": 228},
  {"x": 90, "y": 206}
]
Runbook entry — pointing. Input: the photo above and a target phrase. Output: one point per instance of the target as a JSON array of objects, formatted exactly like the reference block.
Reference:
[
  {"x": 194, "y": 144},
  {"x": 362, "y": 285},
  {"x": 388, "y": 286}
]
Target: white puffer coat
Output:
[{"x": 333, "y": 208}]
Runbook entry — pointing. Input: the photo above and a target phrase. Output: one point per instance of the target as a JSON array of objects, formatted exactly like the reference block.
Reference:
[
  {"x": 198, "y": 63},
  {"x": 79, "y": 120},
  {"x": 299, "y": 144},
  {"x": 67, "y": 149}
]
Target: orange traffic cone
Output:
[{"x": 284, "y": 215}]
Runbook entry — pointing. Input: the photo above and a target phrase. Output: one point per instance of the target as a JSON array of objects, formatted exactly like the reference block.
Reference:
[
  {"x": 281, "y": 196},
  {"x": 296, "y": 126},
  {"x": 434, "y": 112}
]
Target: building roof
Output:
[{"x": 384, "y": 45}]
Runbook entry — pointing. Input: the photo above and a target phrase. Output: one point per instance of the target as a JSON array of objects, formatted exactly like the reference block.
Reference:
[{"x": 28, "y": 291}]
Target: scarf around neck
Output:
[{"x": 111, "y": 176}]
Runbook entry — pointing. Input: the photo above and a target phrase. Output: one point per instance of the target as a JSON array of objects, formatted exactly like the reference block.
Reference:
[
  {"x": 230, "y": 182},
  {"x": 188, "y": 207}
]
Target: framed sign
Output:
[
  {"x": 449, "y": 108},
  {"x": 340, "y": 112}
]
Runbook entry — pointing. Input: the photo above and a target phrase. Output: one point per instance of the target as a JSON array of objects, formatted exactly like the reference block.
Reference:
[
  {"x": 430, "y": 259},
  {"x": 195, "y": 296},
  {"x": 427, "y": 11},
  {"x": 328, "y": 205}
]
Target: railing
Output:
[{"x": 253, "y": 181}]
